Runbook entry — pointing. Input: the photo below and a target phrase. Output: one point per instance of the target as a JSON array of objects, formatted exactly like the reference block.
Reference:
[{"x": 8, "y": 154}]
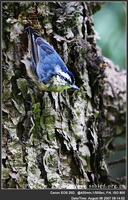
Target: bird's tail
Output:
[{"x": 33, "y": 35}]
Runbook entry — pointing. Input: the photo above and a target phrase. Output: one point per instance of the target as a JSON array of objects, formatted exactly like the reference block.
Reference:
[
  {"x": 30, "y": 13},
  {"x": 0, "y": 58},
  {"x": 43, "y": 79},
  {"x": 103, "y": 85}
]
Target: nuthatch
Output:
[{"x": 46, "y": 68}]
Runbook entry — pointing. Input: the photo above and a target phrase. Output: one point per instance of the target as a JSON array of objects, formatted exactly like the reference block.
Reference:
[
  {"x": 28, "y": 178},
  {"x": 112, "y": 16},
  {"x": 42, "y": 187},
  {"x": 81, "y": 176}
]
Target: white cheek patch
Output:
[
  {"x": 65, "y": 75},
  {"x": 60, "y": 81}
]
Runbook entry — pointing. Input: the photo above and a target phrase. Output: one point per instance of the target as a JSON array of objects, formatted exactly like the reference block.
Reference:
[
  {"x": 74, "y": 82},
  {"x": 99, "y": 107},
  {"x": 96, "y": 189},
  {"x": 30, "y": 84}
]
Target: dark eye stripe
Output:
[{"x": 64, "y": 78}]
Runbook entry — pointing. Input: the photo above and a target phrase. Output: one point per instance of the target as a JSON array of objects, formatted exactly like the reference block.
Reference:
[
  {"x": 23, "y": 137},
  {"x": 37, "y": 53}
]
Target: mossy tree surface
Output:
[{"x": 58, "y": 140}]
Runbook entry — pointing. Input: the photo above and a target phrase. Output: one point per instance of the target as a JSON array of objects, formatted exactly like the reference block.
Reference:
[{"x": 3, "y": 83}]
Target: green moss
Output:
[
  {"x": 51, "y": 136},
  {"x": 78, "y": 113},
  {"x": 47, "y": 120},
  {"x": 37, "y": 128},
  {"x": 42, "y": 121},
  {"x": 50, "y": 120},
  {"x": 96, "y": 114},
  {"x": 5, "y": 173},
  {"x": 22, "y": 85}
]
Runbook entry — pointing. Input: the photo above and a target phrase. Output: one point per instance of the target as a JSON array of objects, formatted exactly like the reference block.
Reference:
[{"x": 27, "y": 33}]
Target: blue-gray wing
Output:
[{"x": 44, "y": 57}]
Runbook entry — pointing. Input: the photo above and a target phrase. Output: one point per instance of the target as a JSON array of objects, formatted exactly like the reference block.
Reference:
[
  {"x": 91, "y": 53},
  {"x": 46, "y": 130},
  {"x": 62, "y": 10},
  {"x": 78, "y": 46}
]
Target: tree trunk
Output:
[{"x": 59, "y": 140}]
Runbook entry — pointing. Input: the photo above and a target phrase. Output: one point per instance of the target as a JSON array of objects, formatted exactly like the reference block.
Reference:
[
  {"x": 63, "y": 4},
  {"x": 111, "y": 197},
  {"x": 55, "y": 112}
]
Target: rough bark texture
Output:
[{"x": 59, "y": 140}]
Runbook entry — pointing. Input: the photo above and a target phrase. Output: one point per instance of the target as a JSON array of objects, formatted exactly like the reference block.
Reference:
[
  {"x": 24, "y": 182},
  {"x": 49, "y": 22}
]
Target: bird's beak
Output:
[{"x": 75, "y": 87}]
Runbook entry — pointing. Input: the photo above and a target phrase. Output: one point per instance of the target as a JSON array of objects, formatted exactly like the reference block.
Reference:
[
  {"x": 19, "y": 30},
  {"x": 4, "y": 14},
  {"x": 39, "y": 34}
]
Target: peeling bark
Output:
[{"x": 59, "y": 140}]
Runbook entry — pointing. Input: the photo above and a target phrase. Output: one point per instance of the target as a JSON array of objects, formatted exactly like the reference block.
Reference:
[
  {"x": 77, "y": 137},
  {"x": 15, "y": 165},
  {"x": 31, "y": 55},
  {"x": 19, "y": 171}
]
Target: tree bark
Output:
[{"x": 59, "y": 140}]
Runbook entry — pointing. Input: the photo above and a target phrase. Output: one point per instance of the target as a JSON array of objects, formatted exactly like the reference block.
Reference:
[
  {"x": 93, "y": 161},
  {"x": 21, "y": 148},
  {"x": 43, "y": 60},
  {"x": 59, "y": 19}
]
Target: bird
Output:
[{"x": 45, "y": 67}]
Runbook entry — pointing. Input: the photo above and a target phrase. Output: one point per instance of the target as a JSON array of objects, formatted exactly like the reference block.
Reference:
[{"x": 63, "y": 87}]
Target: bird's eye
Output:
[{"x": 64, "y": 78}]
